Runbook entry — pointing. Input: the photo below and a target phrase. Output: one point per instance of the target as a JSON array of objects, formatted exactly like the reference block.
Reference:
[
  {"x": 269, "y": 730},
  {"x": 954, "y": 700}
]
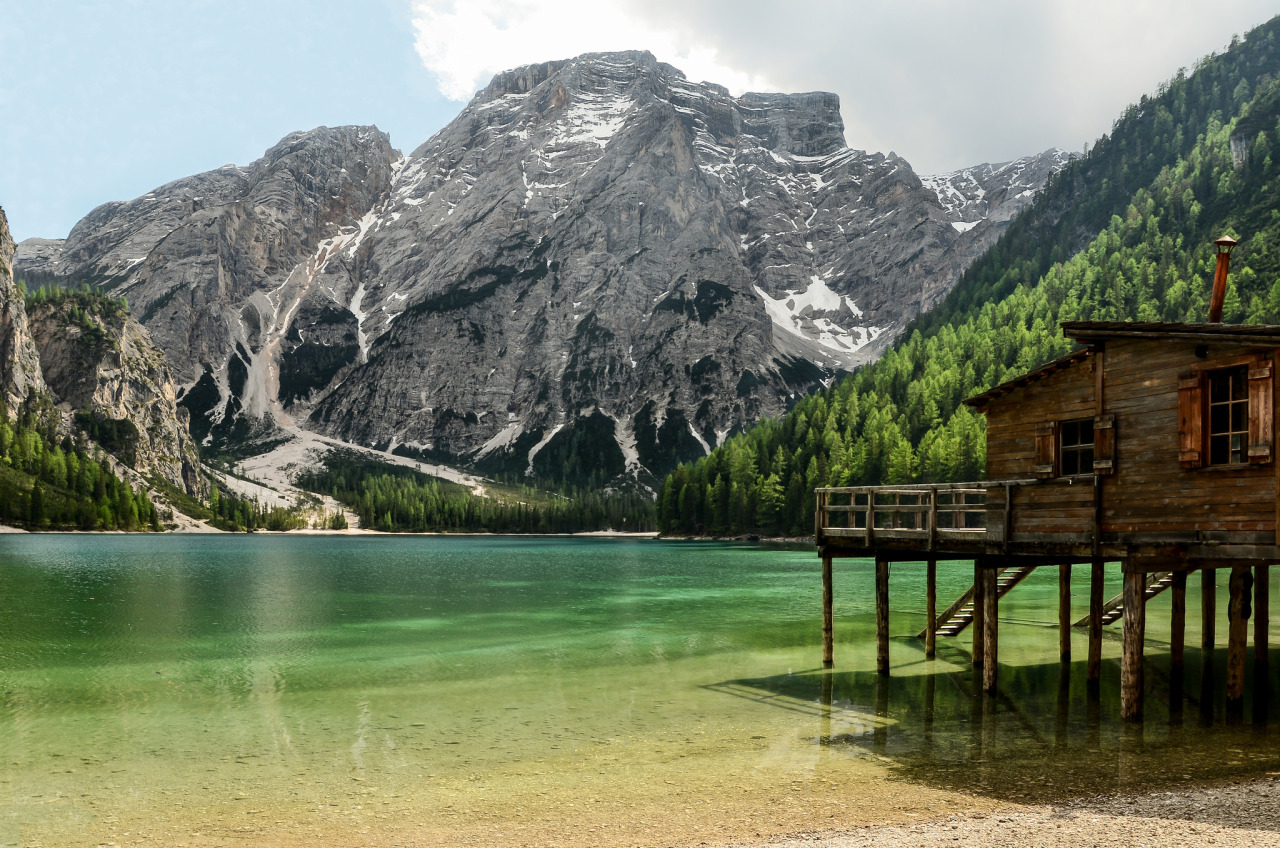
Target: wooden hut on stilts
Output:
[{"x": 1151, "y": 445}]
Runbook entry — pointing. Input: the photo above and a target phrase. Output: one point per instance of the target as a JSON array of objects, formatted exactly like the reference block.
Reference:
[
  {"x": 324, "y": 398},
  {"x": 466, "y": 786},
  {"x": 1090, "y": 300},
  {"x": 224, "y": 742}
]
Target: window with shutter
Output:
[
  {"x": 1261, "y": 424},
  {"x": 1190, "y": 422},
  {"x": 1104, "y": 444},
  {"x": 1046, "y": 448}
]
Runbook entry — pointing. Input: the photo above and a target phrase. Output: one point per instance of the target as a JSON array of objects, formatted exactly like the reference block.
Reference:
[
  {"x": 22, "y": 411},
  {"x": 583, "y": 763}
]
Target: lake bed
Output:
[{"x": 278, "y": 690}]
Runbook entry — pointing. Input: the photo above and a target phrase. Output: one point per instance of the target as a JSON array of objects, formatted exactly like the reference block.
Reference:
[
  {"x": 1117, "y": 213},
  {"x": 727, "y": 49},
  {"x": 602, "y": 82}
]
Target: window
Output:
[
  {"x": 1229, "y": 416},
  {"x": 1225, "y": 414},
  {"x": 1076, "y": 450}
]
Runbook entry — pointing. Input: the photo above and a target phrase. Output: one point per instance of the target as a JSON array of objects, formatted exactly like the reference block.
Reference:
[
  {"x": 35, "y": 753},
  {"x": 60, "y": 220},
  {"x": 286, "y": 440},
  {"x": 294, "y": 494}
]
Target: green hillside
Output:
[{"x": 1123, "y": 233}]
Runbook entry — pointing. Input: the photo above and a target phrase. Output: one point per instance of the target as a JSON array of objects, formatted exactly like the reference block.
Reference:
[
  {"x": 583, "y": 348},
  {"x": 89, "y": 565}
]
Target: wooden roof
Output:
[
  {"x": 981, "y": 400},
  {"x": 1247, "y": 334}
]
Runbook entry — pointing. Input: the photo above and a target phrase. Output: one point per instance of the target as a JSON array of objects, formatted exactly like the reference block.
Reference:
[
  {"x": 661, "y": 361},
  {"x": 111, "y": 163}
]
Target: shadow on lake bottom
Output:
[{"x": 1045, "y": 736}]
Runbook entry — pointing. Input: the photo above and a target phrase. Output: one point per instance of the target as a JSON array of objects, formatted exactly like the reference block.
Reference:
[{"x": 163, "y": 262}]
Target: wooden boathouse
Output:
[{"x": 1151, "y": 444}]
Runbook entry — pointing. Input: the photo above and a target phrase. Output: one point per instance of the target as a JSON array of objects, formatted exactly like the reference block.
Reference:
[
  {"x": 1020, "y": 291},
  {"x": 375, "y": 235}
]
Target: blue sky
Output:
[{"x": 106, "y": 100}]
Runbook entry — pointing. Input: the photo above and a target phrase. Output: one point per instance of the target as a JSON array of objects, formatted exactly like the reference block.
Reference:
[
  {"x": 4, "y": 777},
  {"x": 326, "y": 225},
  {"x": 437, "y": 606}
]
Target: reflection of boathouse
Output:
[{"x": 1152, "y": 445}]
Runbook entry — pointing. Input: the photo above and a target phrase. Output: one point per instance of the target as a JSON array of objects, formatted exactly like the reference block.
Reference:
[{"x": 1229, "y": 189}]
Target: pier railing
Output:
[{"x": 929, "y": 512}]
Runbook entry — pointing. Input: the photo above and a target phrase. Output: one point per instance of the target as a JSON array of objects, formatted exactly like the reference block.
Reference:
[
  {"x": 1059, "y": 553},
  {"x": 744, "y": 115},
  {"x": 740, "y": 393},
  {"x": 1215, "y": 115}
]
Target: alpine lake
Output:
[{"x": 479, "y": 690}]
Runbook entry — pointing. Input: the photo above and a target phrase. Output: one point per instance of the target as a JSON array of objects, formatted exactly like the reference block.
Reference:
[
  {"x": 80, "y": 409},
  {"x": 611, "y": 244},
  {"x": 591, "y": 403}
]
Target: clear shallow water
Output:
[{"x": 482, "y": 690}]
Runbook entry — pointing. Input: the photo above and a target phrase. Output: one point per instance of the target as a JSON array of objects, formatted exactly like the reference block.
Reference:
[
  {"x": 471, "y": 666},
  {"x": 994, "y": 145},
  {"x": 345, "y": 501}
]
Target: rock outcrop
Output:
[
  {"x": 598, "y": 266},
  {"x": 108, "y": 376},
  {"x": 19, "y": 359}
]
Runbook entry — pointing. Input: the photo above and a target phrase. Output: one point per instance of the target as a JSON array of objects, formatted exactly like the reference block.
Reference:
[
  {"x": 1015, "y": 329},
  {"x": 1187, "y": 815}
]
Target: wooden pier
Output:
[{"x": 1150, "y": 446}]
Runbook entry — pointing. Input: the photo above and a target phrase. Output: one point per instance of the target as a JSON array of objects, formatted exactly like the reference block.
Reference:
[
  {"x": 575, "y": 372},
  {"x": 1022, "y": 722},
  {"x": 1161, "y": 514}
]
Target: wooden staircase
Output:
[
  {"x": 955, "y": 618},
  {"x": 1113, "y": 610}
]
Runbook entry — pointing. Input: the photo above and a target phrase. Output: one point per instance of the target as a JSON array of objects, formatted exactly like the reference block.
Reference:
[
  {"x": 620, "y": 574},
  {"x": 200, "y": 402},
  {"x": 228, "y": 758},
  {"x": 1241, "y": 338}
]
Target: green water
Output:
[{"x": 360, "y": 690}]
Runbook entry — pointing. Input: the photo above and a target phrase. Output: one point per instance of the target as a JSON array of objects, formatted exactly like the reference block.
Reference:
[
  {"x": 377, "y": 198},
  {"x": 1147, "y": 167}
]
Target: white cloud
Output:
[{"x": 463, "y": 43}]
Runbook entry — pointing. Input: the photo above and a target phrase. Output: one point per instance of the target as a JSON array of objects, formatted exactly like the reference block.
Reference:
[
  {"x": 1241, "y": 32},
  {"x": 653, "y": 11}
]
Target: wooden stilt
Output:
[
  {"x": 1064, "y": 612},
  {"x": 991, "y": 629},
  {"x": 1094, "y": 671},
  {"x": 1208, "y": 607},
  {"x": 828, "y": 616},
  {"x": 882, "y": 616},
  {"x": 1135, "y": 625},
  {"x": 1237, "y": 635},
  {"x": 931, "y": 608},
  {"x": 1177, "y": 647},
  {"x": 1261, "y": 648},
  {"x": 1178, "y": 622},
  {"x": 979, "y": 589},
  {"x": 1261, "y": 616}
]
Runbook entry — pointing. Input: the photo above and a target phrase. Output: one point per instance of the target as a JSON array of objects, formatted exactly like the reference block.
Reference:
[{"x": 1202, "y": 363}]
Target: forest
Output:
[
  {"x": 397, "y": 499},
  {"x": 1123, "y": 233}
]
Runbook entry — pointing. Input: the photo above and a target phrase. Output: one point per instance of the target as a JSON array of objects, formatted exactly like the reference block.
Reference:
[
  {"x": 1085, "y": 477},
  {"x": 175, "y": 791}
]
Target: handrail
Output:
[{"x": 913, "y": 510}]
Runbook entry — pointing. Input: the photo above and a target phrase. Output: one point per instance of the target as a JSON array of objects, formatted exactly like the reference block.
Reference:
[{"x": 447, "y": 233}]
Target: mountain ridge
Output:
[{"x": 697, "y": 262}]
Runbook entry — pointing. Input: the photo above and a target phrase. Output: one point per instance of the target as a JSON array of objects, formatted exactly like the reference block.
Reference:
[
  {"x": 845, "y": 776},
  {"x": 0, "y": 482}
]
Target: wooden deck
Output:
[{"x": 1034, "y": 521}]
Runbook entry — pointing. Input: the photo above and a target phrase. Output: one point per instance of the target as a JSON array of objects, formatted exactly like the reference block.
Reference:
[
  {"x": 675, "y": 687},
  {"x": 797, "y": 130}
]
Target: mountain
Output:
[
  {"x": 89, "y": 421},
  {"x": 1124, "y": 233},
  {"x": 19, "y": 359},
  {"x": 598, "y": 268}
]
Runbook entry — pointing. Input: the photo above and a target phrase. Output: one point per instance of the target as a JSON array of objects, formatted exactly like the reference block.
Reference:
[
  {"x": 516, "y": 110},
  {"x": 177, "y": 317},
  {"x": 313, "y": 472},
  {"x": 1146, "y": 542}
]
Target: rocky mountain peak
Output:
[{"x": 599, "y": 267}]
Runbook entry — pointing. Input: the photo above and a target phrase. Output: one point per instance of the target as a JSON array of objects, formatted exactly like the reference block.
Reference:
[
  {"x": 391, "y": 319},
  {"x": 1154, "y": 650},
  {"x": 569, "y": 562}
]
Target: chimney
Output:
[{"x": 1220, "y": 278}]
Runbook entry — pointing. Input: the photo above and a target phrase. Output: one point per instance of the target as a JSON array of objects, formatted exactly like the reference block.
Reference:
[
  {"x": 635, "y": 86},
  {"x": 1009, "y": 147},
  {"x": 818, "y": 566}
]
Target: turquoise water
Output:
[{"x": 444, "y": 690}]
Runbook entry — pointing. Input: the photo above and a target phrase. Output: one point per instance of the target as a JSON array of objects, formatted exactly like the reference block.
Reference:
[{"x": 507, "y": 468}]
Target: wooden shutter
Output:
[
  {"x": 1261, "y": 424},
  {"x": 1104, "y": 444},
  {"x": 1046, "y": 449},
  {"x": 1190, "y": 421}
]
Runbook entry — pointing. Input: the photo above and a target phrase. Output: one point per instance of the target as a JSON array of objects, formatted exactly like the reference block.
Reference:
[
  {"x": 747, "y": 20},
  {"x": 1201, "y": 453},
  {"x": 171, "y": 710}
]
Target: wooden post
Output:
[
  {"x": 1178, "y": 622},
  {"x": 1208, "y": 607},
  {"x": 1261, "y": 617},
  {"x": 979, "y": 589},
  {"x": 991, "y": 635},
  {"x": 1064, "y": 612},
  {"x": 1135, "y": 627},
  {"x": 1177, "y": 646},
  {"x": 1094, "y": 672},
  {"x": 1261, "y": 660},
  {"x": 931, "y": 607},
  {"x": 1237, "y": 635},
  {"x": 828, "y": 616},
  {"x": 882, "y": 616}
]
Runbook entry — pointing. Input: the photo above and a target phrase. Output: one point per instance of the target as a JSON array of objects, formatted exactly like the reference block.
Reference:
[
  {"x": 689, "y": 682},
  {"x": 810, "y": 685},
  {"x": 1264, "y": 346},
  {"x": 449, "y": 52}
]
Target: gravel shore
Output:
[{"x": 1238, "y": 814}]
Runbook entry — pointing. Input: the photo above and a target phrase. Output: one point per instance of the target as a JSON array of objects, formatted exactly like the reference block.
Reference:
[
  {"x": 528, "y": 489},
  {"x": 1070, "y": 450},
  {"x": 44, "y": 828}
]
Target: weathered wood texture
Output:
[
  {"x": 991, "y": 629},
  {"x": 1151, "y": 490},
  {"x": 1135, "y": 631},
  {"x": 828, "y": 615},
  {"x": 1237, "y": 635},
  {"x": 1013, "y": 422},
  {"x": 882, "y": 616}
]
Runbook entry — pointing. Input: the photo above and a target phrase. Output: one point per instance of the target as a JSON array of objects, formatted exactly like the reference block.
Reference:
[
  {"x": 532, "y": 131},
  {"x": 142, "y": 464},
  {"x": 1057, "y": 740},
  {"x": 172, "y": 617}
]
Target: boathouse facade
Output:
[{"x": 1151, "y": 444}]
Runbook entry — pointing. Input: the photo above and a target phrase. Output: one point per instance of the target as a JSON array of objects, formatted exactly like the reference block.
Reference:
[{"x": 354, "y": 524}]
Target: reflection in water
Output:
[{"x": 1041, "y": 736}]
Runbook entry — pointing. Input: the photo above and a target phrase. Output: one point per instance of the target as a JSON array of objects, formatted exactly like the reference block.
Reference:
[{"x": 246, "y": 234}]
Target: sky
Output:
[{"x": 105, "y": 100}]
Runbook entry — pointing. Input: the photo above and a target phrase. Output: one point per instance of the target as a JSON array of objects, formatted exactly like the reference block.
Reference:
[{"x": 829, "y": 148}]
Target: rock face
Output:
[
  {"x": 597, "y": 267},
  {"x": 19, "y": 359},
  {"x": 107, "y": 375}
]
